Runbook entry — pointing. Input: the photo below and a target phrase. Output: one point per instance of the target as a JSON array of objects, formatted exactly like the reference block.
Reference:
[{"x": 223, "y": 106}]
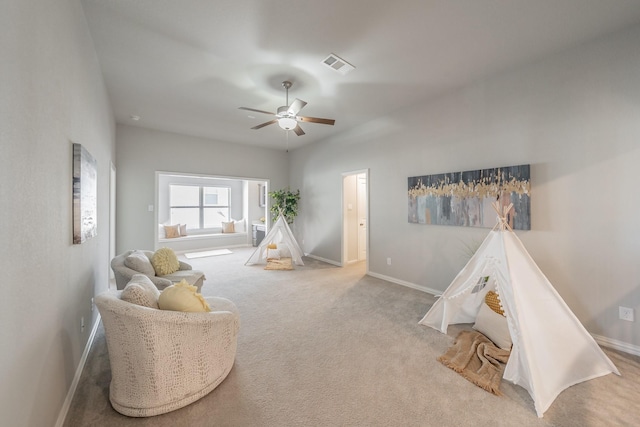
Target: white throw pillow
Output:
[
  {"x": 284, "y": 250},
  {"x": 138, "y": 261},
  {"x": 273, "y": 253},
  {"x": 141, "y": 291},
  {"x": 494, "y": 326},
  {"x": 161, "y": 233},
  {"x": 238, "y": 225}
]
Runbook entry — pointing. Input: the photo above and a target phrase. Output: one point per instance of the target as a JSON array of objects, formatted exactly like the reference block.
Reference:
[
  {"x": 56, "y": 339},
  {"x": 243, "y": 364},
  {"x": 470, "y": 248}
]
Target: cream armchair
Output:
[
  {"x": 123, "y": 273},
  {"x": 164, "y": 360}
]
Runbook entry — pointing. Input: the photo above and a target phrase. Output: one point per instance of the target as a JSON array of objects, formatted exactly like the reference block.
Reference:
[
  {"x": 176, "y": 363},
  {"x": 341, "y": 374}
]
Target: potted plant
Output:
[{"x": 287, "y": 201}]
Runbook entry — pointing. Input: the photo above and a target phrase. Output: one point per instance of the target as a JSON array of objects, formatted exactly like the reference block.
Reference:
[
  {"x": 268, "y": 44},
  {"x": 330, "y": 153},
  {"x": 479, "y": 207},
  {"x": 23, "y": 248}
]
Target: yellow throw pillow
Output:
[
  {"x": 272, "y": 246},
  {"x": 165, "y": 262},
  {"x": 228, "y": 227},
  {"x": 493, "y": 301},
  {"x": 182, "y": 297}
]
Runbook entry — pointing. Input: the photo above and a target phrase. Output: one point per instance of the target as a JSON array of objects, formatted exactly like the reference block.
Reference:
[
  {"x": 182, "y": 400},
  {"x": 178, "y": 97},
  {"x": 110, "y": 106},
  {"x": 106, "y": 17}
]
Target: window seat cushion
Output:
[{"x": 199, "y": 237}]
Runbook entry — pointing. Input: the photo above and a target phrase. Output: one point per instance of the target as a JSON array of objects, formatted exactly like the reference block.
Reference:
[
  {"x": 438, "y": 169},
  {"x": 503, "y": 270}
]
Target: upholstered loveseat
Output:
[{"x": 123, "y": 271}]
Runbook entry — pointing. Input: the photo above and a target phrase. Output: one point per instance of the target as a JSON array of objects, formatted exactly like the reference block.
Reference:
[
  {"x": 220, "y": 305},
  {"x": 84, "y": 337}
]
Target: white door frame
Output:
[
  {"x": 112, "y": 219},
  {"x": 367, "y": 204}
]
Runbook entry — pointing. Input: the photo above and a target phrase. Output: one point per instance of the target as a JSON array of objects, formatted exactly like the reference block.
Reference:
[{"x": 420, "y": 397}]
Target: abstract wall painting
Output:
[
  {"x": 465, "y": 198},
  {"x": 85, "y": 195}
]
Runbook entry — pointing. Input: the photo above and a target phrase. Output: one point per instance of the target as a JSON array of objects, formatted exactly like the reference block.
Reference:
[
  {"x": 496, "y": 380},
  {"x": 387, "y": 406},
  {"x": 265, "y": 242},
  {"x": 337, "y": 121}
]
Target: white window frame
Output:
[{"x": 202, "y": 206}]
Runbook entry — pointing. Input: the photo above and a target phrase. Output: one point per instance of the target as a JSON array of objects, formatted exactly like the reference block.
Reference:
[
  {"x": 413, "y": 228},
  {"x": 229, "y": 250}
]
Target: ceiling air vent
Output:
[{"x": 338, "y": 64}]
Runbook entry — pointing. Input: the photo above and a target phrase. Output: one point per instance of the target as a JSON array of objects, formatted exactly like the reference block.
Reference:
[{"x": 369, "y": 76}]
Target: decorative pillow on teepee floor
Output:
[
  {"x": 272, "y": 251},
  {"x": 492, "y": 323},
  {"x": 493, "y": 301}
]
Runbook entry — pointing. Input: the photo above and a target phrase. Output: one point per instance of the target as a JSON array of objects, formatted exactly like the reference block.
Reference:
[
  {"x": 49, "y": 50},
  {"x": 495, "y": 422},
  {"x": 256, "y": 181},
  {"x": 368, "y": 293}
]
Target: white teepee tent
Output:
[
  {"x": 551, "y": 349},
  {"x": 280, "y": 234}
]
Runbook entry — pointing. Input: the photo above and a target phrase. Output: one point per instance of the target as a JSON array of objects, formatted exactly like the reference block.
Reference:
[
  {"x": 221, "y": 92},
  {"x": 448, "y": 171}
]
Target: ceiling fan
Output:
[{"x": 287, "y": 115}]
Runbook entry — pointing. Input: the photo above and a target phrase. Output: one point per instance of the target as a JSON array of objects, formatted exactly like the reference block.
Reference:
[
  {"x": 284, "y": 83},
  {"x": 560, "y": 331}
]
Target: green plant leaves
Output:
[{"x": 286, "y": 200}]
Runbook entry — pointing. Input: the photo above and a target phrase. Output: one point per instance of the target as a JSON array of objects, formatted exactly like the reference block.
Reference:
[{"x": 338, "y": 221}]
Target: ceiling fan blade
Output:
[
  {"x": 296, "y": 106},
  {"x": 298, "y": 130},
  {"x": 265, "y": 124},
  {"x": 316, "y": 120},
  {"x": 257, "y": 111}
]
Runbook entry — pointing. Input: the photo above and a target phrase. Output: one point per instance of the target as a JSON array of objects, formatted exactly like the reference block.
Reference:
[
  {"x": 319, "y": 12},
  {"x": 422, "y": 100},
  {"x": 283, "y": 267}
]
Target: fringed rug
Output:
[
  {"x": 477, "y": 359},
  {"x": 279, "y": 264}
]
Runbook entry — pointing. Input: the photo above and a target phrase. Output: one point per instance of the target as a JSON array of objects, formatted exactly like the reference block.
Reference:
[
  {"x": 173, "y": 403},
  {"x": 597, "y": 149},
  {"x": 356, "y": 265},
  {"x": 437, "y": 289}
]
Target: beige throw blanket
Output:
[
  {"x": 279, "y": 264},
  {"x": 477, "y": 359}
]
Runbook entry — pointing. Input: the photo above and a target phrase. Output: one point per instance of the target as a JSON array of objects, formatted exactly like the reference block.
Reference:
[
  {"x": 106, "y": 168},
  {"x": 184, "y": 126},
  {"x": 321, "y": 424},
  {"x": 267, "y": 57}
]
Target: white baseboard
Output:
[
  {"x": 617, "y": 345},
  {"x": 328, "y": 261},
  {"x": 62, "y": 415},
  {"x": 405, "y": 283},
  {"x": 603, "y": 341}
]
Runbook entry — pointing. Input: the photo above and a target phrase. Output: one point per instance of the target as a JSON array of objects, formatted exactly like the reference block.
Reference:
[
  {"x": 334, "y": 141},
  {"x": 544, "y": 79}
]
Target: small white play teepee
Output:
[
  {"x": 281, "y": 235},
  {"x": 551, "y": 349}
]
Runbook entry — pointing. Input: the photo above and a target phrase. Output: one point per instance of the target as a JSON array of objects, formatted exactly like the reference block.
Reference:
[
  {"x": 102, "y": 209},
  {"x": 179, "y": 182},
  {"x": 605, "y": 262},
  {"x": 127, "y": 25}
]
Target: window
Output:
[{"x": 200, "y": 207}]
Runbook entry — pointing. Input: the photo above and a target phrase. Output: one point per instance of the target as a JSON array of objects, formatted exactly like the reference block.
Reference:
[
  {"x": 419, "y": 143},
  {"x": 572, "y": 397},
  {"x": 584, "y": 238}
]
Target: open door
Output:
[{"x": 355, "y": 215}]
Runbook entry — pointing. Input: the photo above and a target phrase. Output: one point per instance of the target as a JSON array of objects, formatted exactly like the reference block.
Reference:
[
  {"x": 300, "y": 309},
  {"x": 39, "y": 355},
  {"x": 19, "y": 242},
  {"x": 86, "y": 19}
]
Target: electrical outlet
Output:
[
  {"x": 626, "y": 313},
  {"x": 388, "y": 261},
  {"x": 92, "y": 304}
]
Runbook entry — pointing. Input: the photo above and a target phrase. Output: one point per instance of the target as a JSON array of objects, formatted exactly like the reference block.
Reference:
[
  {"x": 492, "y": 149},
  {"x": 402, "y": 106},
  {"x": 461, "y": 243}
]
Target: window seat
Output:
[{"x": 203, "y": 241}]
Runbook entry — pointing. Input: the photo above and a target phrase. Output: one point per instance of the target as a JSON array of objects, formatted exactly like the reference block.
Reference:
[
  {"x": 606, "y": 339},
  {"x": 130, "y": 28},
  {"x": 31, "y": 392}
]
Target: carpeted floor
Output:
[{"x": 328, "y": 346}]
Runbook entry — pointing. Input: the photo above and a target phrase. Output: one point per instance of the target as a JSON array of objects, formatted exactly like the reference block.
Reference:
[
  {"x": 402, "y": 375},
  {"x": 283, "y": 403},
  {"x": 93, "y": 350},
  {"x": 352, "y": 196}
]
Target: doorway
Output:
[{"x": 355, "y": 217}]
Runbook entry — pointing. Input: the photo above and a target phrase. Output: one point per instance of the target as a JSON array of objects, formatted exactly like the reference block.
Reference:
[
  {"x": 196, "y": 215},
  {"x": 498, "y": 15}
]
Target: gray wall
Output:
[
  {"x": 51, "y": 95},
  {"x": 141, "y": 152},
  {"x": 575, "y": 117}
]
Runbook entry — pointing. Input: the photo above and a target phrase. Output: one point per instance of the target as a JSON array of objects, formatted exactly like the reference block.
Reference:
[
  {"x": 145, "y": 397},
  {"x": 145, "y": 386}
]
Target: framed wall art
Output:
[
  {"x": 465, "y": 198},
  {"x": 85, "y": 195}
]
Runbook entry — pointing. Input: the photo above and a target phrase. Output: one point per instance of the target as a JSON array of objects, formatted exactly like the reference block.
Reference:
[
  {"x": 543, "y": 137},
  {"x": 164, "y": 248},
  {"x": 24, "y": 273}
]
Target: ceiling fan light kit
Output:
[
  {"x": 287, "y": 115},
  {"x": 287, "y": 123}
]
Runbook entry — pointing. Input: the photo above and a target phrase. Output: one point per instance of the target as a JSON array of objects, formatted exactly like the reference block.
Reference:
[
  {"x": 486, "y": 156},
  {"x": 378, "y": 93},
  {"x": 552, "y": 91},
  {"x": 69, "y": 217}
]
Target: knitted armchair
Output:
[
  {"x": 123, "y": 274},
  {"x": 164, "y": 360}
]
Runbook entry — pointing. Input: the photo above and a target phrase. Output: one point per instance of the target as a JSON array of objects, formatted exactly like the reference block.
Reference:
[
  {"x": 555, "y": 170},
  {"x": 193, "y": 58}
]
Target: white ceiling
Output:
[{"x": 186, "y": 66}]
